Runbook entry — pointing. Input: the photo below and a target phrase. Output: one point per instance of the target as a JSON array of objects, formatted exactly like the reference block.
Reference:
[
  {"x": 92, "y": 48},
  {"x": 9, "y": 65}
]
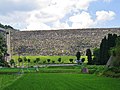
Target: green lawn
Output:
[
  {"x": 64, "y": 59},
  {"x": 7, "y": 79},
  {"x": 63, "y": 81}
]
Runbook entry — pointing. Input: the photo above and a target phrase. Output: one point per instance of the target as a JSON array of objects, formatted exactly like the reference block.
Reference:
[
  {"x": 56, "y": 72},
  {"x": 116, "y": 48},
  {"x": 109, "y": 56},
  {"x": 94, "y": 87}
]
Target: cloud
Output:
[
  {"x": 107, "y": 0},
  {"x": 49, "y": 14},
  {"x": 81, "y": 20},
  {"x": 60, "y": 25},
  {"x": 11, "y": 6},
  {"x": 83, "y": 4},
  {"x": 105, "y": 15}
]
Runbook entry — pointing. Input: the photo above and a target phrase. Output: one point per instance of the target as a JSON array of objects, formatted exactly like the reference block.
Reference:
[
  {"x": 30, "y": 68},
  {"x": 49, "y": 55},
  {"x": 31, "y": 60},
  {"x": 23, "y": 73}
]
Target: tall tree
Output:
[
  {"x": 78, "y": 55},
  {"x": 96, "y": 54},
  {"x": 114, "y": 60},
  {"x": 105, "y": 47},
  {"x": 89, "y": 56},
  {"x": 104, "y": 52},
  {"x": 28, "y": 62}
]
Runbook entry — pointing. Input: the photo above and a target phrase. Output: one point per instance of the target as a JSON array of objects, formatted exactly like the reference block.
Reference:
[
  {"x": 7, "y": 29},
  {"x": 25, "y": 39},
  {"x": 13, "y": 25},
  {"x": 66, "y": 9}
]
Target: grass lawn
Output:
[
  {"x": 63, "y": 81},
  {"x": 64, "y": 59},
  {"x": 6, "y": 79}
]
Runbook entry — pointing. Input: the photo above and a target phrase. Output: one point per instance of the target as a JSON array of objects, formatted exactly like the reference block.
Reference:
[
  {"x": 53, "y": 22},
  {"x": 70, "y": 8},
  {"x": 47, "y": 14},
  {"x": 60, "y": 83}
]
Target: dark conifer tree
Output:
[
  {"x": 89, "y": 56},
  {"x": 78, "y": 55},
  {"x": 105, "y": 47}
]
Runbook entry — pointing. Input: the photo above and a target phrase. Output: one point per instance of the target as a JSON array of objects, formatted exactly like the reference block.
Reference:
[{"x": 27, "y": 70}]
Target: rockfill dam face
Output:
[{"x": 58, "y": 42}]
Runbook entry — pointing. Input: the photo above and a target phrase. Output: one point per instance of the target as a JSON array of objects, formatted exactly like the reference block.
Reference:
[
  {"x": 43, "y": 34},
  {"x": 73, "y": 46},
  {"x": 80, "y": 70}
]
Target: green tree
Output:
[
  {"x": 104, "y": 54},
  {"x": 53, "y": 62},
  {"x": 105, "y": 47},
  {"x": 96, "y": 54},
  {"x": 78, "y": 55},
  {"x": 83, "y": 59},
  {"x": 25, "y": 60},
  {"x": 12, "y": 62},
  {"x": 89, "y": 56},
  {"x": 48, "y": 60},
  {"x": 20, "y": 61},
  {"x": 71, "y": 60},
  {"x": 59, "y": 60},
  {"x": 37, "y": 60},
  {"x": 114, "y": 60},
  {"x": 3, "y": 50},
  {"x": 6, "y": 26},
  {"x": 28, "y": 62}
]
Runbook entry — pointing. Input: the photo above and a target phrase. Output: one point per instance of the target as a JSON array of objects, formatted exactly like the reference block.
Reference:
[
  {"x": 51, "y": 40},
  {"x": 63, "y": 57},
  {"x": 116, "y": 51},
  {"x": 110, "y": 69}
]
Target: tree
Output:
[
  {"x": 105, "y": 47},
  {"x": 89, "y": 56},
  {"x": 59, "y": 60},
  {"x": 114, "y": 60},
  {"x": 12, "y": 62},
  {"x": 53, "y": 62},
  {"x": 83, "y": 59},
  {"x": 25, "y": 59},
  {"x": 28, "y": 62},
  {"x": 71, "y": 60},
  {"x": 20, "y": 61},
  {"x": 3, "y": 50},
  {"x": 96, "y": 54},
  {"x": 6, "y": 26},
  {"x": 48, "y": 60},
  {"x": 37, "y": 60},
  {"x": 44, "y": 62},
  {"x": 78, "y": 55},
  {"x": 20, "y": 68},
  {"x": 104, "y": 52}
]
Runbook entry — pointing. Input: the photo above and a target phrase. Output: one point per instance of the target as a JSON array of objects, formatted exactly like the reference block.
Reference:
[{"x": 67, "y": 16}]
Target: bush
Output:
[
  {"x": 71, "y": 60},
  {"x": 53, "y": 62},
  {"x": 112, "y": 72}
]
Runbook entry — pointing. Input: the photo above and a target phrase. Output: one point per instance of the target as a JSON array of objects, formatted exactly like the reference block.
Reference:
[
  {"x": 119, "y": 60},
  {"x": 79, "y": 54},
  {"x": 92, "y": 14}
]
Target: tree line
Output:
[
  {"x": 102, "y": 54},
  {"x": 6, "y": 26},
  {"x": 3, "y": 51}
]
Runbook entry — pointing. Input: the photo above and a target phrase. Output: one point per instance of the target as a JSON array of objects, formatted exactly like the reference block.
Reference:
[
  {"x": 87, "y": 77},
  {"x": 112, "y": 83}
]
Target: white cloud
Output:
[
  {"x": 107, "y": 0},
  {"x": 60, "y": 25},
  {"x": 81, "y": 20},
  {"x": 105, "y": 15},
  {"x": 35, "y": 14},
  {"x": 54, "y": 10},
  {"x": 37, "y": 26},
  {"x": 83, "y": 4}
]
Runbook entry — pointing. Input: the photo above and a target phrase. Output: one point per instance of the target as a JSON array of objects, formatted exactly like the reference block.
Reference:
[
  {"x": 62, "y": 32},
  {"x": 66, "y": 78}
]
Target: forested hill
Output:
[{"x": 6, "y": 26}]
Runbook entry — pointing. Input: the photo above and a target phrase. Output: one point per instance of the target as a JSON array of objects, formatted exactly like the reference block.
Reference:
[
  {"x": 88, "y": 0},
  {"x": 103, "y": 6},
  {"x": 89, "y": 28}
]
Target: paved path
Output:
[{"x": 57, "y": 65}]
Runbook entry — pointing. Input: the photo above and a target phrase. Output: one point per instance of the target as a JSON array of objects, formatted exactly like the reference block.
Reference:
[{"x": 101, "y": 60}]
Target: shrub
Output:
[
  {"x": 48, "y": 60},
  {"x": 53, "y": 62},
  {"x": 71, "y": 60},
  {"x": 112, "y": 72}
]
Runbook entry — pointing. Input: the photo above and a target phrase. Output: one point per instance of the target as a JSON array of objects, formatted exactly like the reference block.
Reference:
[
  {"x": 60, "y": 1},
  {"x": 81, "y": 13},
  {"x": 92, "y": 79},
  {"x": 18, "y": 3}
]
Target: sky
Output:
[{"x": 60, "y": 14}]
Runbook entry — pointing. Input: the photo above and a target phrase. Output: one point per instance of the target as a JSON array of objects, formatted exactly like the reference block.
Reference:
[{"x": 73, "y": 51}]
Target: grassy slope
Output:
[
  {"x": 65, "y": 59},
  {"x": 58, "y": 81}
]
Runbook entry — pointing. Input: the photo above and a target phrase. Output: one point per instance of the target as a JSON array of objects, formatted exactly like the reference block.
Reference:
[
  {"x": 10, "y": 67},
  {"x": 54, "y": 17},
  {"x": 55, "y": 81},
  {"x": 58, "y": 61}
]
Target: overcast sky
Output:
[{"x": 60, "y": 14}]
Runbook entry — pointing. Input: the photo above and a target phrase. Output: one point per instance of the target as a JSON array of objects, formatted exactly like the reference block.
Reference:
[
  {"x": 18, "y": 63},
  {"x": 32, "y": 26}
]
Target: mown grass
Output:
[
  {"x": 7, "y": 79},
  {"x": 64, "y": 59},
  {"x": 57, "y": 69},
  {"x": 63, "y": 81}
]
